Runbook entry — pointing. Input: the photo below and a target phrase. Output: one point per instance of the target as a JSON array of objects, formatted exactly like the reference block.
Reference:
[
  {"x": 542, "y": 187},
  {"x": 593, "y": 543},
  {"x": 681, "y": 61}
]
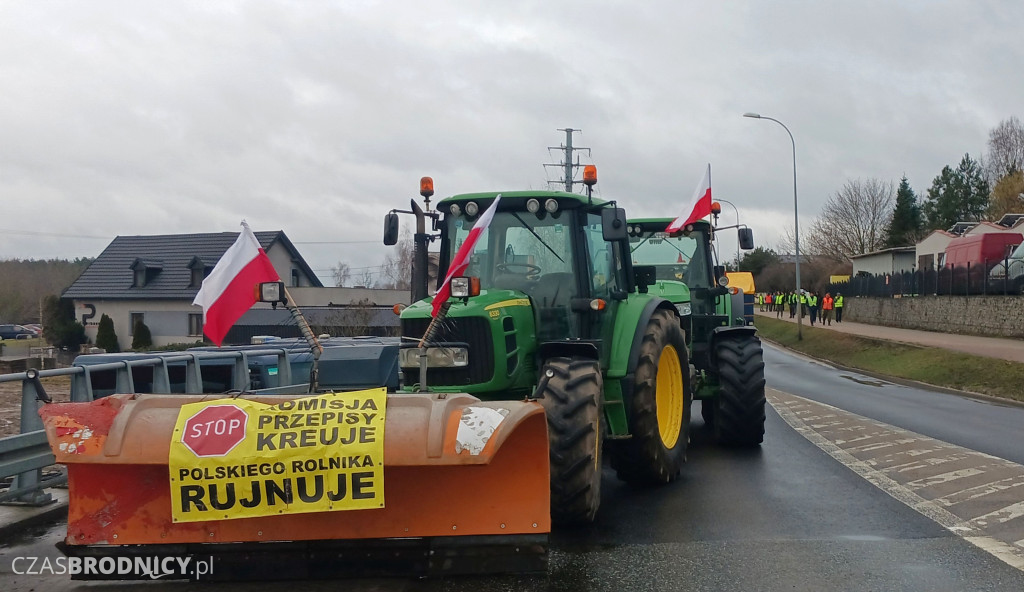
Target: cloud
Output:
[{"x": 317, "y": 118}]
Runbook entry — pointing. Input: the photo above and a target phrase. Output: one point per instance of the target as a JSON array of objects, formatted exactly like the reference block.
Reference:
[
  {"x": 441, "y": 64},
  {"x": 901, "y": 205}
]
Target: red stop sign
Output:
[{"x": 214, "y": 430}]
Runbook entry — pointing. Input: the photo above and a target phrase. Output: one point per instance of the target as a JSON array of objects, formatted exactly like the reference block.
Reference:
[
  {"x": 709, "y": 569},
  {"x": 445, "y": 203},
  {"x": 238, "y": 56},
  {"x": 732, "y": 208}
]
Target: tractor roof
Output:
[{"x": 519, "y": 197}]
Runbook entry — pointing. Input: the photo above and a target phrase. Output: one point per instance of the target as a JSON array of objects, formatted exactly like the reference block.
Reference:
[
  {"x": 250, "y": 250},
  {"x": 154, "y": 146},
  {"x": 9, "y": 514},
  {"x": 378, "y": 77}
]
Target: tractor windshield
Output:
[
  {"x": 520, "y": 251},
  {"x": 680, "y": 257}
]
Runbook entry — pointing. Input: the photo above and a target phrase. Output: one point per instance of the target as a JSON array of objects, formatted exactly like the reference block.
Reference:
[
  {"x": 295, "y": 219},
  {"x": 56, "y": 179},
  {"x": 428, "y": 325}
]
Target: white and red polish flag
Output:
[
  {"x": 461, "y": 260},
  {"x": 230, "y": 289},
  {"x": 699, "y": 206}
]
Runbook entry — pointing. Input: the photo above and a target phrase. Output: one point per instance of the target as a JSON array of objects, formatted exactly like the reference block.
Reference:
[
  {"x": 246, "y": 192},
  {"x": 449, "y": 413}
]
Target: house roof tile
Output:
[{"x": 110, "y": 275}]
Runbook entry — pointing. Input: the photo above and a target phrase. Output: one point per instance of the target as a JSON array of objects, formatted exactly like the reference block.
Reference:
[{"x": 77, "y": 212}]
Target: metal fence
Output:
[
  {"x": 964, "y": 280},
  {"x": 24, "y": 456}
]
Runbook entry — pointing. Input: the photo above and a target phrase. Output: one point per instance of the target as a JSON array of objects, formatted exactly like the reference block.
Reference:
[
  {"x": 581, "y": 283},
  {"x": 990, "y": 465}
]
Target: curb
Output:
[
  {"x": 902, "y": 381},
  {"x": 16, "y": 519}
]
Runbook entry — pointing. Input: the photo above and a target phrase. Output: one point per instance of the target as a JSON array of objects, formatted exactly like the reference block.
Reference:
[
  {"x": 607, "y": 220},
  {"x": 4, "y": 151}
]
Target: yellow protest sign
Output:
[{"x": 233, "y": 458}]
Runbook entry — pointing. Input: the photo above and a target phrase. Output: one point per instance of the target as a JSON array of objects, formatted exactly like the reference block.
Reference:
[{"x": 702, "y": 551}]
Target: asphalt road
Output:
[{"x": 787, "y": 516}]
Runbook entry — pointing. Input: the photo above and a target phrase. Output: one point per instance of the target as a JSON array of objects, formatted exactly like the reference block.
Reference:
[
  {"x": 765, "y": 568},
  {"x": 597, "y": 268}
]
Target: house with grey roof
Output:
[{"x": 154, "y": 279}]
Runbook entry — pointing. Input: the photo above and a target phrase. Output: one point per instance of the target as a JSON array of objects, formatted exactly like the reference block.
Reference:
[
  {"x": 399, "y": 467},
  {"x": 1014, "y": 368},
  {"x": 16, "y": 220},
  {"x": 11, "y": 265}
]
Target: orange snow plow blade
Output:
[{"x": 450, "y": 507}]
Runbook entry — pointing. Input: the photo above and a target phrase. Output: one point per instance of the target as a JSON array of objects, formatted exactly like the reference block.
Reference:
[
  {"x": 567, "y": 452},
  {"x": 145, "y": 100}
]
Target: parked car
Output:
[
  {"x": 1013, "y": 283},
  {"x": 16, "y": 332}
]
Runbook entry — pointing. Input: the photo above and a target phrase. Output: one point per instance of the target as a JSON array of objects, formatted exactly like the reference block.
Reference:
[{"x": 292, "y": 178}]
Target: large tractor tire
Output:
[
  {"x": 659, "y": 412},
  {"x": 571, "y": 399},
  {"x": 739, "y": 412}
]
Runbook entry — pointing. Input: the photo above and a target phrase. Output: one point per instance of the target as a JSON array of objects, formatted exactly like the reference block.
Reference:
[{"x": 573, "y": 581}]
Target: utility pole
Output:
[{"x": 567, "y": 165}]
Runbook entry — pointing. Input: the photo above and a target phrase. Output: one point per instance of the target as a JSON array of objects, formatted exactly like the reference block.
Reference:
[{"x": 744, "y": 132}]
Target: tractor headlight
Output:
[
  {"x": 551, "y": 206},
  {"x": 460, "y": 287},
  {"x": 684, "y": 309},
  {"x": 437, "y": 357},
  {"x": 455, "y": 210},
  {"x": 472, "y": 208},
  {"x": 532, "y": 205}
]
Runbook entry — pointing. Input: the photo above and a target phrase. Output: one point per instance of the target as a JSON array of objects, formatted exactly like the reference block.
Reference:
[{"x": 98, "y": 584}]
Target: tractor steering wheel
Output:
[{"x": 531, "y": 270}]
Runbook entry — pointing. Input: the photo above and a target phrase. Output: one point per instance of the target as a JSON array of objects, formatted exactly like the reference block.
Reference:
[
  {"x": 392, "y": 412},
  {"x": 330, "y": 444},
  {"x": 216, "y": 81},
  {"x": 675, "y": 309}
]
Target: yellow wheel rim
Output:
[{"x": 669, "y": 396}]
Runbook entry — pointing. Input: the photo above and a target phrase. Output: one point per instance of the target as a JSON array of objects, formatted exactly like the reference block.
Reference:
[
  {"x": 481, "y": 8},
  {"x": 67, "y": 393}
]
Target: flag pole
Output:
[{"x": 307, "y": 333}]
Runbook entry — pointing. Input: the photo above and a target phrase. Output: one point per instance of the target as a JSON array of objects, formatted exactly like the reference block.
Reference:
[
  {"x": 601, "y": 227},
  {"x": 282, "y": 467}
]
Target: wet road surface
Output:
[{"x": 787, "y": 516}]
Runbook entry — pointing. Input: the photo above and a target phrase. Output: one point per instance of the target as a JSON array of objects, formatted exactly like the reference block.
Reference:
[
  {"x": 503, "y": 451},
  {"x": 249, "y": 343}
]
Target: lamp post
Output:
[
  {"x": 796, "y": 222},
  {"x": 737, "y": 225}
]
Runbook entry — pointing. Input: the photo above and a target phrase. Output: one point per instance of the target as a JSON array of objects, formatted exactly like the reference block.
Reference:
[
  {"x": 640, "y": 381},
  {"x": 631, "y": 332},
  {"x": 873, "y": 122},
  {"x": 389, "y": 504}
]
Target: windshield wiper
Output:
[
  {"x": 640, "y": 244},
  {"x": 537, "y": 236}
]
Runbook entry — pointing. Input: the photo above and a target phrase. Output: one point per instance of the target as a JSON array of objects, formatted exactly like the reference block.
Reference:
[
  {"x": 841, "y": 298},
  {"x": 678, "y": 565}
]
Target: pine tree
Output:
[
  {"x": 906, "y": 224},
  {"x": 957, "y": 195},
  {"x": 142, "y": 338},
  {"x": 105, "y": 335}
]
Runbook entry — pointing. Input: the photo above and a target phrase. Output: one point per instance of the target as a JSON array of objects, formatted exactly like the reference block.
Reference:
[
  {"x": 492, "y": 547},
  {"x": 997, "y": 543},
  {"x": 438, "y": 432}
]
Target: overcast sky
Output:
[{"x": 316, "y": 118}]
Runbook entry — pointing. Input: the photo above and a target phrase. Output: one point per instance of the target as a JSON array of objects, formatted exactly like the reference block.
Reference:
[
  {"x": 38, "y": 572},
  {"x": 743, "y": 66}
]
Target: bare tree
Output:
[
  {"x": 787, "y": 242},
  {"x": 365, "y": 278},
  {"x": 854, "y": 220},
  {"x": 341, "y": 272},
  {"x": 1005, "y": 150},
  {"x": 396, "y": 272}
]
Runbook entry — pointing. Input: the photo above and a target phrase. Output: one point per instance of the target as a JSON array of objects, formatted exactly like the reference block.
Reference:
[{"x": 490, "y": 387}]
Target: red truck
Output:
[
  {"x": 981, "y": 250},
  {"x": 969, "y": 259}
]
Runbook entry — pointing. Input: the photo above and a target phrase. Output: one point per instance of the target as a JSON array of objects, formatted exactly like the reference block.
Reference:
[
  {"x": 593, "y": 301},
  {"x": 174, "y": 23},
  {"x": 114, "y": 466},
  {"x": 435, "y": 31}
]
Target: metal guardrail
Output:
[{"x": 24, "y": 456}]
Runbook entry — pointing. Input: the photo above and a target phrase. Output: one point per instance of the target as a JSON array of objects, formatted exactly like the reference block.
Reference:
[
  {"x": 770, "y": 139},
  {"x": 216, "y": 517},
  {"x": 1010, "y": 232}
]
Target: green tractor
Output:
[
  {"x": 728, "y": 369},
  {"x": 552, "y": 308}
]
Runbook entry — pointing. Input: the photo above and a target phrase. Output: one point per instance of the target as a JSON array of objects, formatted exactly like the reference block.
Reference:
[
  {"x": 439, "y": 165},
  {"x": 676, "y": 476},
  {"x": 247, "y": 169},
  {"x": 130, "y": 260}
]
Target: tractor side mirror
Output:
[
  {"x": 613, "y": 224},
  {"x": 746, "y": 238},
  {"x": 391, "y": 229}
]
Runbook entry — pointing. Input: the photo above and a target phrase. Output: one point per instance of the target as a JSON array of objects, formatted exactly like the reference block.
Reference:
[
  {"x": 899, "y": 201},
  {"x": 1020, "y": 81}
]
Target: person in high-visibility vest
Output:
[
  {"x": 812, "y": 306},
  {"x": 839, "y": 307},
  {"x": 780, "y": 304},
  {"x": 827, "y": 304},
  {"x": 794, "y": 299}
]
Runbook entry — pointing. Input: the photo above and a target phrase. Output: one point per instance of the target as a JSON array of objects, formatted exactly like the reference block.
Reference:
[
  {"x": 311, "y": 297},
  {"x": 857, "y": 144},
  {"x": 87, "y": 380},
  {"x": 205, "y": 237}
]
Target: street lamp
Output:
[
  {"x": 796, "y": 222},
  {"x": 737, "y": 225}
]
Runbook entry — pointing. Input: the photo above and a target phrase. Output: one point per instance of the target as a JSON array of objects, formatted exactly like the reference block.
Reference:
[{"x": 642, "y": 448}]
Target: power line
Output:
[
  {"x": 333, "y": 242},
  {"x": 56, "y": 234}
]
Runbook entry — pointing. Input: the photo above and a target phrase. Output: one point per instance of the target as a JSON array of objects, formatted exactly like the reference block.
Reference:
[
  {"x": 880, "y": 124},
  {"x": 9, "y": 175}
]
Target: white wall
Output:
[{"x": 934, "y": 244}]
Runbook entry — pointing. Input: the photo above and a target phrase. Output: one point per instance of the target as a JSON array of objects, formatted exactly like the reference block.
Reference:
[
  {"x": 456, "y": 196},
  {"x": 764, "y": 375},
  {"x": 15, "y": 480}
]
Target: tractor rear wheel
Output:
[
  {"x": 572, "y": 402},
  {"x": 739, "y": 411},
  {"x": 659, "y": 413}
]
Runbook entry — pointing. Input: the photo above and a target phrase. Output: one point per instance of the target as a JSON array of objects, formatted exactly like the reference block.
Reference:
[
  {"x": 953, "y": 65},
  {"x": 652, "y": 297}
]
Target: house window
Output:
[
  {"x": 197, "y": 276},
  {"x": 195, "y": 324},
  {"x": 295, "y": 277},
  {"x": 133, "y": 320},
  {"x": 140, "y": 277}
]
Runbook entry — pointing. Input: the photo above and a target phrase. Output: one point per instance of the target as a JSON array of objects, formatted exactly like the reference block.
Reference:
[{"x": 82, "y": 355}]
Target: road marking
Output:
[
  {"x": 895, "y": 472},
  {"x": 943, "y": 478},
  {"x": 1002, "y": 515}
]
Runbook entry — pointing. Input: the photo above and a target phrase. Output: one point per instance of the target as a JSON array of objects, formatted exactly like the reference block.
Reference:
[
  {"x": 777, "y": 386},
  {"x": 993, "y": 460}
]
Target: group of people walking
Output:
[{"x": 808, "y": 303}]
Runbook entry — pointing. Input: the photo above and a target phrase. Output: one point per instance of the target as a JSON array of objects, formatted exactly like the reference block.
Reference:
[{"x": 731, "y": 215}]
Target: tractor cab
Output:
[{"x": 547, "y": 247}]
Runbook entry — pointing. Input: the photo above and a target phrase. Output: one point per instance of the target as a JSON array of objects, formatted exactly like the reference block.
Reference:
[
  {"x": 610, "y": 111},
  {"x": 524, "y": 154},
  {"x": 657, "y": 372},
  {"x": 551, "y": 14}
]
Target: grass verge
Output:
[{"x": 940, "y": 367}]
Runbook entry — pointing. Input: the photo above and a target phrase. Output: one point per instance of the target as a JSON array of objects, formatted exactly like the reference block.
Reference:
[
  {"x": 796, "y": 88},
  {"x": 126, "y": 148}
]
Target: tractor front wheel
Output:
[
  {"x": 572, "y": 402},
  {"x": 739, "y": 409},
  {"x": 659, "y": 414}
]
